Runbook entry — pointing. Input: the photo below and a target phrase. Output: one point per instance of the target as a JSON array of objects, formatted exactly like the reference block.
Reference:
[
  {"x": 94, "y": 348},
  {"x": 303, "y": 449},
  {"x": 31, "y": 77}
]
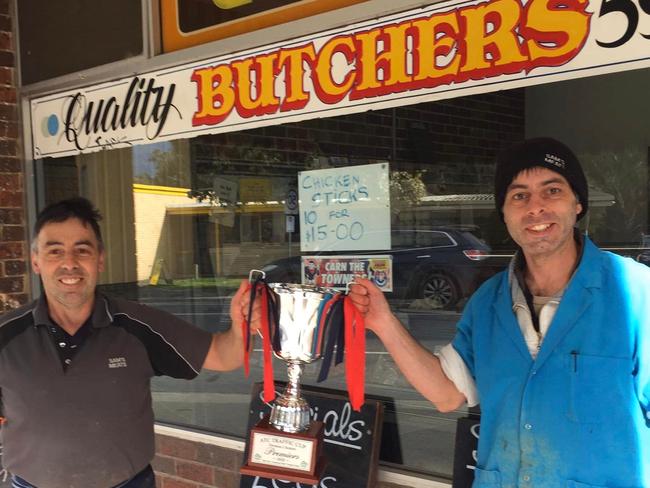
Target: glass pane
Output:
[
  {"x": 194, "y": 15},
  {"x": 57, "y": 38},
  {"x": 199, "y": 214}
]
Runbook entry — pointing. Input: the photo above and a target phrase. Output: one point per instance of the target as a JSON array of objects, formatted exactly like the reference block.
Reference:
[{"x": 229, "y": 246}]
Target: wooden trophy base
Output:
[{"x": 285, "y": 456}]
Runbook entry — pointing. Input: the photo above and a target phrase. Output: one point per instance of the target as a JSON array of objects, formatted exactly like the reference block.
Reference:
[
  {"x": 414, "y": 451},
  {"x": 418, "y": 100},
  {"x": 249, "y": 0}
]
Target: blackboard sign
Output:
[
  {"x": 351, "y": 439},
  {"x": 467, "y": 432}
]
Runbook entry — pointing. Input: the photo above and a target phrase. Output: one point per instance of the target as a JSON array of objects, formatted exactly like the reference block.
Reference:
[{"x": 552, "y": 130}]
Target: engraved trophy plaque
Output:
[{"x": 286, "y": 445}]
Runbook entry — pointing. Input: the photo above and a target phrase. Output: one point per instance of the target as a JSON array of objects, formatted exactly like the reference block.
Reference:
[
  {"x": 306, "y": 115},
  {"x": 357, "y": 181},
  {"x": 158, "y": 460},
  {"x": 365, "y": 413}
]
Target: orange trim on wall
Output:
[{"x": 173, "y": 39}]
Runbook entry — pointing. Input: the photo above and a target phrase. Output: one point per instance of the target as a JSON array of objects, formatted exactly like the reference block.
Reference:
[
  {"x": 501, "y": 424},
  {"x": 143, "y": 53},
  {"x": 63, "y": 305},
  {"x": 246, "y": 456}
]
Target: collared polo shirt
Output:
[{"x": 89, "y": 425}]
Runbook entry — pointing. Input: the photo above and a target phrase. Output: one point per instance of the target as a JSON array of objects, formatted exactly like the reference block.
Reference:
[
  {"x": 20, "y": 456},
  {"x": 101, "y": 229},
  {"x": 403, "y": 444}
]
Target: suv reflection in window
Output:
[{"x": 433, "y": 268}]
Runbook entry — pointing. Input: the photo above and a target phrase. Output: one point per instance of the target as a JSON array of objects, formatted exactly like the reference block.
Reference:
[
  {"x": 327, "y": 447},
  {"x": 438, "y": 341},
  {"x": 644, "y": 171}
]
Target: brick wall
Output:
[
  {"x": 182, "y": 463},
  {"x": 13, "y": 246}
]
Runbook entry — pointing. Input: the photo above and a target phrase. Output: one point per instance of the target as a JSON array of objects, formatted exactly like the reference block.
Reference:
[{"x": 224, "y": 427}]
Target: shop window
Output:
[
  {"x": 186, "y": 23},
  {"x": 57, "y": 38},
  {"x": 207, "y": 210}
]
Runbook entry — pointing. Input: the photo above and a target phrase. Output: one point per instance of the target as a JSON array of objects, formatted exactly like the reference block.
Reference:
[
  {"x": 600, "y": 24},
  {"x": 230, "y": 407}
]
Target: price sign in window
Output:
[{"x": 345, "y": 209}]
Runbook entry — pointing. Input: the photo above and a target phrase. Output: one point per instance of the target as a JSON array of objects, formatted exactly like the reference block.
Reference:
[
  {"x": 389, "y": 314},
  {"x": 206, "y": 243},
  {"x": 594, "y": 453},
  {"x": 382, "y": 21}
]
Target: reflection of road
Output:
[{"x": 219, "y": 401}]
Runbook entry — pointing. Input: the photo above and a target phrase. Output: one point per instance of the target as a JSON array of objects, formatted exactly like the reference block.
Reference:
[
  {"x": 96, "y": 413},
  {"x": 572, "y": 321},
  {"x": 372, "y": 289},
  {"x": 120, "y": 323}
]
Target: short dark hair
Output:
[{"x": 73, "y": 208}]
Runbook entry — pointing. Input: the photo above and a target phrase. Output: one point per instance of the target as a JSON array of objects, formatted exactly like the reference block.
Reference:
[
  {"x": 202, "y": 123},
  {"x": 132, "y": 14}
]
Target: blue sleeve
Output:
[
  {"x": 642, "y": 356},
  {"x": 463, "y": 340},
  {"x": 635, "y": 279}
]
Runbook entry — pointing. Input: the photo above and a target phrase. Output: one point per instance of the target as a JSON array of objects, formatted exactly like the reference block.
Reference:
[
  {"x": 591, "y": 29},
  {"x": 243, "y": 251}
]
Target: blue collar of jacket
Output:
[{"x": 578, "y": 296}]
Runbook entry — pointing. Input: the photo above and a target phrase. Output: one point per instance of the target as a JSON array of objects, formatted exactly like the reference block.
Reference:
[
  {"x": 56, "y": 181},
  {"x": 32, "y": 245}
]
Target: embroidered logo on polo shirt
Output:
[{"x": 117, "y": 362}]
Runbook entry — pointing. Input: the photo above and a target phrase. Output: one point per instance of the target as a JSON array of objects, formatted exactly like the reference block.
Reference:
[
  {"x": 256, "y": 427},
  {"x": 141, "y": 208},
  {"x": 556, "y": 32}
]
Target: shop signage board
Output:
[{"x": 445, "y": 50}]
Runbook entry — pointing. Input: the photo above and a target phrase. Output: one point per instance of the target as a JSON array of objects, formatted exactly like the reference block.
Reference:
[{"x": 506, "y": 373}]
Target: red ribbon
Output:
[
  {"x": 246, "y": 333},
  {"x": 269, "y": 387},
  {"x": 355, "y": 353}
]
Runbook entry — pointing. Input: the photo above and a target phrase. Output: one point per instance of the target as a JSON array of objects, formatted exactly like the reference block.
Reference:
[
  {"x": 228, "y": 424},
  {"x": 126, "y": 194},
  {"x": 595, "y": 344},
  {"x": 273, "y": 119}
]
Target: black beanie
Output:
[{"x": 543, "y": 152}]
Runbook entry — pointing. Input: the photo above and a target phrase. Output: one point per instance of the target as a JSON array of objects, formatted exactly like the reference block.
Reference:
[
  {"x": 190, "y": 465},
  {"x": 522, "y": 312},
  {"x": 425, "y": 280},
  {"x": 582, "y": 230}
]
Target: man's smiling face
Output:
[
  {"x": 540, "y": 211},
  {"x": 69, "y": 258}
]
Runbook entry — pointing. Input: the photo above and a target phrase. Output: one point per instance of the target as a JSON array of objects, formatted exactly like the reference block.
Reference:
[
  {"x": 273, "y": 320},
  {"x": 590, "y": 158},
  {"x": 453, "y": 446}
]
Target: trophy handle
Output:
[{"x": 253, "y": 271}]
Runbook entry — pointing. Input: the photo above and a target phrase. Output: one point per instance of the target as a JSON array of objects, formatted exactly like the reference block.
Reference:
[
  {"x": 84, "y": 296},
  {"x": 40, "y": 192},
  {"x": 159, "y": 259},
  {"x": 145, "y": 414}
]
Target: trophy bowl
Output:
[{"x": 301, "y": 329}]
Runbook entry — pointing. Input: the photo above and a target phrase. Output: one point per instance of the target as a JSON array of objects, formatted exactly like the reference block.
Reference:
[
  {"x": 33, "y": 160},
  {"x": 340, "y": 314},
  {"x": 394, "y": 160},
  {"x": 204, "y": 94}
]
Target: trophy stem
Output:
[
  {"x": 294, "y": 371},
  {"x": 291, "y": 412}
]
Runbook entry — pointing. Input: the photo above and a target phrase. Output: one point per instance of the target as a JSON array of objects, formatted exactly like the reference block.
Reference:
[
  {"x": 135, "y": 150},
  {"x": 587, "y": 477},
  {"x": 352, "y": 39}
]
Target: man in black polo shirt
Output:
[{"x": 75, "y": 365}]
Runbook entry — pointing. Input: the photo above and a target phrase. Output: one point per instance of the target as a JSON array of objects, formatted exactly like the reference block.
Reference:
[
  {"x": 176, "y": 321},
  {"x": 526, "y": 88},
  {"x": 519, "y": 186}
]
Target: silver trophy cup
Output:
[{"x": 302, "y": 338}]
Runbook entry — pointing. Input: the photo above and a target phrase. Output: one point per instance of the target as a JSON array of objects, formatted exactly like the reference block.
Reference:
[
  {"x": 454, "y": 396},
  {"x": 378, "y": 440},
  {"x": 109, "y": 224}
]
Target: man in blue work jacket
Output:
[{"x": 556, "y": 349}]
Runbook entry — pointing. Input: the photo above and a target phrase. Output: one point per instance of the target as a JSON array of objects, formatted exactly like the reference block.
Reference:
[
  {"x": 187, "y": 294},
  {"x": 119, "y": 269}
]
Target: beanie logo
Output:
[
  {"x": 555, "y": 161},
  {"x": 119, "y": 362}
]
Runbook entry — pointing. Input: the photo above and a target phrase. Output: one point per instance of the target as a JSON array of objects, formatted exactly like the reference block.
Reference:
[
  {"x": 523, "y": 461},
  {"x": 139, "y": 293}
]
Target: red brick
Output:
[
  {"x": 11, "y": 250},
  {"x": 11, "y": 130},
  {"x": 8, "y": 302},
  {"x": 10, "y": 165},
  {"x": 226, "y": 479},
  {"x": 7, "y": 58},
  {"x": 6, "y": 41},
  {"x": 8, "y": 112},
  {"x": 11, "y": 199},
  {"x": 178, "y": 448},
  {"x": 176, "y": 483},
  {"x": 218, "y": 456},
  {"x": 7, "y": 95},
  {"x": 10, "y": 181},
  {"x": 7, "y": 76},
  {"x": 11, "y": 285},
  {"x": 5, "y": 23},
  {"x": 12, "y": 233},
  {"x": 14, "y": 268},
  {"x": 200, "y": 473},
  {"x": 10, "y": 216},
  {"x": 164, "y": 464},
  {"x": 8, "y": 147}
]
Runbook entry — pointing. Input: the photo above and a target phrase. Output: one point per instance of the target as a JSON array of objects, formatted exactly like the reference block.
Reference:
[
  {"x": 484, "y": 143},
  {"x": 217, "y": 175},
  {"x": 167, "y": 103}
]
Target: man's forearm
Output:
[
  {"x": 420, "y": 367},
  {"x": 226, "y": 351}
]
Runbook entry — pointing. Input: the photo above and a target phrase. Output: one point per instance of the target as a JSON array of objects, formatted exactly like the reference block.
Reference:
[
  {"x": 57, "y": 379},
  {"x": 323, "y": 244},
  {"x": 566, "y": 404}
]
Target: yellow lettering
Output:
[
  {"x": 228, "y": 4},
  {"x": 562, "y": 27},
  {"x": 435, "y": 37},
  {"x": 265, "y": 100},
  {"x": 292, "y": 60},
  {"x": 391, "y": 60},
  {"x": 326, "y": 88},
  {"x": 491, "y": 39},
  {"x": 215, "y": 94}
]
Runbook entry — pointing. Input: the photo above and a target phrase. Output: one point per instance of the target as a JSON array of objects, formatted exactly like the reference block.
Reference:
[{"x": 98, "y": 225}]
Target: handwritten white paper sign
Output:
[{"x": 345, "y": 209}]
